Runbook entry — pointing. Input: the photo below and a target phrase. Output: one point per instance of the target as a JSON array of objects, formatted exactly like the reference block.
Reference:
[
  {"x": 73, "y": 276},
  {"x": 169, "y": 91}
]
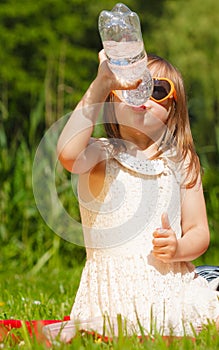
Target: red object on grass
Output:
[{"x": 34, "y": 327}]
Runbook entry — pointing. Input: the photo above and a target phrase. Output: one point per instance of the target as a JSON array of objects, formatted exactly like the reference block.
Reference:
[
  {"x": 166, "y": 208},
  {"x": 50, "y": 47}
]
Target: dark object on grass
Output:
[{"x": 209, "y": 272}]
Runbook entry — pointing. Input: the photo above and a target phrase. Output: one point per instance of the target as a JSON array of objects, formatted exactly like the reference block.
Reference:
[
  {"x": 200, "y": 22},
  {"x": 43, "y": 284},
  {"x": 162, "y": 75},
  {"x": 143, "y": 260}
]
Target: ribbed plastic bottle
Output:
[{"x": 120, "y": 32}]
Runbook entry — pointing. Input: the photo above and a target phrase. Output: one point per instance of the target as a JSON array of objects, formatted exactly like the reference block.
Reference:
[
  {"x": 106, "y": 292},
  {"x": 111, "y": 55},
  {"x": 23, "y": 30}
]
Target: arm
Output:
[
  {"x": 76, "y": 134},
  {"x": 72, "y": 147},
  {"x": 195, "y": 232}
]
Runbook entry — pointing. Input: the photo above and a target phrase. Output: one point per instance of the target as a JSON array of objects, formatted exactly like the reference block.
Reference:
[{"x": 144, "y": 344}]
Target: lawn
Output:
[{"x": 50, "y": 293}]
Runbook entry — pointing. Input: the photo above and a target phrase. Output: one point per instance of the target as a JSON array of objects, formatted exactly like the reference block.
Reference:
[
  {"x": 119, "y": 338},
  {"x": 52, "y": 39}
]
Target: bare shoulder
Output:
[
  {"x": 92, "y": 154},
  {"x": 91, "y": 182}
]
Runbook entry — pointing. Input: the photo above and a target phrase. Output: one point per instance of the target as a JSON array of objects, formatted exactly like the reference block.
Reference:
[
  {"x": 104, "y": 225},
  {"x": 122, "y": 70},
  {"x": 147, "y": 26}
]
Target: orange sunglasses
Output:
[{"x": 162, "y": 90}]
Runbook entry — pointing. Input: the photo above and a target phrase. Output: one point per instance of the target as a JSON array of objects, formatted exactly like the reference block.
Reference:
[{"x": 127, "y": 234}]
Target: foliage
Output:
[
  {"x": 49, "y": 48},
  {"x": 26, "y": 240},
  {"x": 190, "y": 40}
]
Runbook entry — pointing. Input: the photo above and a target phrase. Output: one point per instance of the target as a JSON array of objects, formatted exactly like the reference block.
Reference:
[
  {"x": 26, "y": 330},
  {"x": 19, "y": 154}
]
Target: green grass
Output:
[
  {"x": 50, "y": 294},
  {"x": 47, "y": 295}
]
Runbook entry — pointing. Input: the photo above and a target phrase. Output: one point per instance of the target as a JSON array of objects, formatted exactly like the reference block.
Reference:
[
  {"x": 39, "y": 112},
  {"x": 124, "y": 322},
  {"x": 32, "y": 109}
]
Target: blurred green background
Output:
[{"x": 48, "y": 57}]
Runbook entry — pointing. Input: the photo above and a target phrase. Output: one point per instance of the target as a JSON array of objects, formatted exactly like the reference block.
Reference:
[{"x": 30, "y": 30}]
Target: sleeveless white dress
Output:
[{"x": 121, "y": 276}]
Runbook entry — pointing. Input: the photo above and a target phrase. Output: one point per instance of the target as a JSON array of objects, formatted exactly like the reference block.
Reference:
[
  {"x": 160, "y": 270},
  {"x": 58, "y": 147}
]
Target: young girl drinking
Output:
[{"x": 142, "y": 207}]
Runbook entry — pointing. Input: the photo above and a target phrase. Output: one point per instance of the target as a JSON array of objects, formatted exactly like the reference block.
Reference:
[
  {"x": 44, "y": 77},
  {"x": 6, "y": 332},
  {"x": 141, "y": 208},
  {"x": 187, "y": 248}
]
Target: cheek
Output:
[
  {"x": 162, "y": 112},
  {"x": 121, "y": 112}
]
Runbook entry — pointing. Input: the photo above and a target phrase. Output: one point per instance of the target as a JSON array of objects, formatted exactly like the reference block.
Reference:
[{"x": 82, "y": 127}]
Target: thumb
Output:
[{"x": 165, "y": 221}]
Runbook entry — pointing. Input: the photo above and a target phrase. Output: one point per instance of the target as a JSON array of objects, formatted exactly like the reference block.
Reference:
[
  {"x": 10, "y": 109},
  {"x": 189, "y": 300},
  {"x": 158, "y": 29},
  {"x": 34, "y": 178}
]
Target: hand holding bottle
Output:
[{"x": 111, "y": 80}]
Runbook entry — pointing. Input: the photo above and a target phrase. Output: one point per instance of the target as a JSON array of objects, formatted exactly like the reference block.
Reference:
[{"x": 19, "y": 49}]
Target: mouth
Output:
[{"x": 141, "y": 108}]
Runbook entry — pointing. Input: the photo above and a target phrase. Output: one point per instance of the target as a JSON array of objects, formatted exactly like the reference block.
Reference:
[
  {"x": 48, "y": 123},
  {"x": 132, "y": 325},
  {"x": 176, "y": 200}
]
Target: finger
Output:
[
  {"x": 160, "y": 242},
  {"x": 165, "y": 221},
  {"x": 161, "y": 233},
  {"x": 102, "y": 55},
  {"x": 159, "y": 254},
  {"x": 129, "y": 85},
  {"x": 159, "y": 250}
]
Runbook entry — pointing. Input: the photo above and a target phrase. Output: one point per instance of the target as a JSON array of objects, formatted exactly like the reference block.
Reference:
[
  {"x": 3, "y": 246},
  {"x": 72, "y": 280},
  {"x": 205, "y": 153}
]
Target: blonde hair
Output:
[{"x": 178, "y": 123}]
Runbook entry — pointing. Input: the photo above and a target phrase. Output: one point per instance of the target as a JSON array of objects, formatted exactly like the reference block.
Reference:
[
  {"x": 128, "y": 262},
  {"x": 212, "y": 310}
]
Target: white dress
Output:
[{"x": 121, "y": 276}]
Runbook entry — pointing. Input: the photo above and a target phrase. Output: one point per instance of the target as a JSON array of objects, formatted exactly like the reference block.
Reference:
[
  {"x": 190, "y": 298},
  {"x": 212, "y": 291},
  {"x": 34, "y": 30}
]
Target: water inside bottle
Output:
[
  {"x": 128, "y": 61},
  {"x": 139, "y": 96},
  {"x": 123, "y": 49}
]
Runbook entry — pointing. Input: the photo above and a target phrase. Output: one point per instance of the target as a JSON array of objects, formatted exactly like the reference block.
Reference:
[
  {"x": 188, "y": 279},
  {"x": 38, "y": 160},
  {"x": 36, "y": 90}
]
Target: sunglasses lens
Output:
[{"x": 161, "y": 89}]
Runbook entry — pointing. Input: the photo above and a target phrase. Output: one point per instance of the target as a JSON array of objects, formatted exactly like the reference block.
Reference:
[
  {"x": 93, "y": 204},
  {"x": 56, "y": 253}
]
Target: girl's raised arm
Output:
[
  {"x": 72, "y": 148},
  {"x": 76, "y": 135}
]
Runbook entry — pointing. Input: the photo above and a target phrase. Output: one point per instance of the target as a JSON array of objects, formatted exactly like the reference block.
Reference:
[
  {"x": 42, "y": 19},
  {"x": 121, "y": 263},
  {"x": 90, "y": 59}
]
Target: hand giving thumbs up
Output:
[{"x": 165, "y": 241}]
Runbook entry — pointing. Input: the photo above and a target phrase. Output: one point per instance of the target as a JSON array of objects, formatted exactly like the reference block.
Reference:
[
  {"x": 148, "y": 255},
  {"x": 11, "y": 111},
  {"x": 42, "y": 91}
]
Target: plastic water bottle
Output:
[{"x": 121, "y": 36}]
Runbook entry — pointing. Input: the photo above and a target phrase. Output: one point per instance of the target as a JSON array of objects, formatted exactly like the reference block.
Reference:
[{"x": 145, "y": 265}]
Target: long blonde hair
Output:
[{"x": 178, "y": 124}]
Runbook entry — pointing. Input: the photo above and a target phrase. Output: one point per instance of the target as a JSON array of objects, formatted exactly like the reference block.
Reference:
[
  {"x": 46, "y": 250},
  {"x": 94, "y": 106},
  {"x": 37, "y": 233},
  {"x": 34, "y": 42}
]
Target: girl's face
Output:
[{"x": 148, "y": 120}]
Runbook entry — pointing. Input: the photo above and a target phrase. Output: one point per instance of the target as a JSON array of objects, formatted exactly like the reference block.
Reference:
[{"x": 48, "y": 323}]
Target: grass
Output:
[
  {"x": 50, "y": 294},
  {"x": 47, "y": 295}
]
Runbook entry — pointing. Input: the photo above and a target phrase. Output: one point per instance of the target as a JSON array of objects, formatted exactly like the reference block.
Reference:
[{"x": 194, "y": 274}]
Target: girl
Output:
[{"x": 142, "y": 207}]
